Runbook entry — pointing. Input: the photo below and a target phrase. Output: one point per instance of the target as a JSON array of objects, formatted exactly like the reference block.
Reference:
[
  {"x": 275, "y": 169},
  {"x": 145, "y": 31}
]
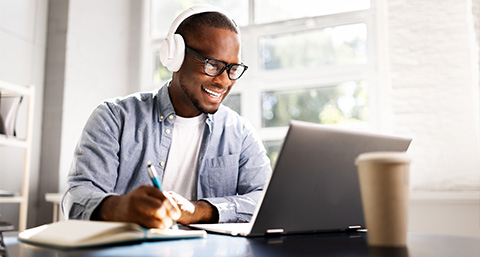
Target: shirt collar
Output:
[{"x": 165, "y": 106}]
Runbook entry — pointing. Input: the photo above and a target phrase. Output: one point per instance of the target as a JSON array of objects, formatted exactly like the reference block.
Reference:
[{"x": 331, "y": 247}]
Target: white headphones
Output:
[{"x": 172, "y": 49}]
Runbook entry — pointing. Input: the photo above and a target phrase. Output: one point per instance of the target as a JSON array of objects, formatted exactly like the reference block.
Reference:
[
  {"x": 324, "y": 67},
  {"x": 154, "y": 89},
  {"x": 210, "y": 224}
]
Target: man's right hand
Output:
[{"x": 146, "y": 206}]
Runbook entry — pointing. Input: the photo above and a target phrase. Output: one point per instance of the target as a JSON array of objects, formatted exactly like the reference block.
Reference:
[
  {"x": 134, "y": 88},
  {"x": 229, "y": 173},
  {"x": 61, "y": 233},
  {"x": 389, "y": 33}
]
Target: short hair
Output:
[{"x": 193, "y": 26}]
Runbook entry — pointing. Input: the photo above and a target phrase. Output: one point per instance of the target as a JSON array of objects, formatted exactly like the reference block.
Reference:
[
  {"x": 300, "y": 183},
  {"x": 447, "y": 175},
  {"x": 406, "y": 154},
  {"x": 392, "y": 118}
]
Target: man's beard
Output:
[{"x": 194, "y": 101}]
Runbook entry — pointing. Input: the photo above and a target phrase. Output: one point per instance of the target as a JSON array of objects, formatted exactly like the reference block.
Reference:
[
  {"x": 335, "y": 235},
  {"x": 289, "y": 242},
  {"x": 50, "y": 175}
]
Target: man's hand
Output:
[
  {"x": 194, "y": 211},
  {"x": 146, "y": 206}
]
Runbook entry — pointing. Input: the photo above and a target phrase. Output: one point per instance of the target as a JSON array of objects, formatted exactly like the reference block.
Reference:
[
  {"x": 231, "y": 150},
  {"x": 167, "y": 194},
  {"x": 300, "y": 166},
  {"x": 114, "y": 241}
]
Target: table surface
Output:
[{"x": 328, "y": 244}]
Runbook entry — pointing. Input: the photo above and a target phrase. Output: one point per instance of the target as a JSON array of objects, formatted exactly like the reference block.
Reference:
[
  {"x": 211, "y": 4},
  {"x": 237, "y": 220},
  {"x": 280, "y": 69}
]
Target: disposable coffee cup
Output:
[{"x": 384, "y": 186}]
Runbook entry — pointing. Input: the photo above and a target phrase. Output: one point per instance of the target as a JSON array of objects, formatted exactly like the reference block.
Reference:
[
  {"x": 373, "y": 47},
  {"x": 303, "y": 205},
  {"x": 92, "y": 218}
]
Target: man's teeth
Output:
[{"x": 212, "y": 94}]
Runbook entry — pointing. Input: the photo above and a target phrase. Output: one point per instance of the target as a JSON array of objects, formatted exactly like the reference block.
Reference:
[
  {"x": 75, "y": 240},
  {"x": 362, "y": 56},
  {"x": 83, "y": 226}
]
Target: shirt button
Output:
[
  {"x": 162, "y": 164},
  {"x": 170, "y": 117},
  {"x": 161, "y": 117},
  {"x": 167, "y": 131}
]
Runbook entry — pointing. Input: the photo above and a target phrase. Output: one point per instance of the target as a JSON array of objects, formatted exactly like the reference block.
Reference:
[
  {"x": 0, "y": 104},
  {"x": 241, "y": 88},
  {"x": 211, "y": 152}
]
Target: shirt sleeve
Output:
[
  {"x": 93, "y": 173},
  {"x": 254, "y": 172}
]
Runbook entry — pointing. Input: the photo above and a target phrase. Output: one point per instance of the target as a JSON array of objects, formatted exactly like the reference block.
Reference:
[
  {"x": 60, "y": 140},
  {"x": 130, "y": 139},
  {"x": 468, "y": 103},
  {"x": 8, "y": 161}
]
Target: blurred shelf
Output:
[
  {"x": 12, "y": 199},
  {"x": 11, "y": 141},
  {"x": 7, "y": 88}
]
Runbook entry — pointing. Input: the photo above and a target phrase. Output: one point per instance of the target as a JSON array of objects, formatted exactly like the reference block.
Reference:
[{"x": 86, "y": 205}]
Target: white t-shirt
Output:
[{"x": 181, "y": 170}]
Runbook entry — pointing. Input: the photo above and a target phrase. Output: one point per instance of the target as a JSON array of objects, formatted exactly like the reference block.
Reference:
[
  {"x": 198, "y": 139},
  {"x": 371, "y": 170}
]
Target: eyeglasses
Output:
[{"x": 214, "y": 67}]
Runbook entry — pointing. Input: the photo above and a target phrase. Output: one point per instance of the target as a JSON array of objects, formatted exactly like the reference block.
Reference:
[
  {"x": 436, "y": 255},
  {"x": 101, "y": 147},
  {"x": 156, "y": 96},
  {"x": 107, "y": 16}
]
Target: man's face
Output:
[{"x": 192, "y": 91}]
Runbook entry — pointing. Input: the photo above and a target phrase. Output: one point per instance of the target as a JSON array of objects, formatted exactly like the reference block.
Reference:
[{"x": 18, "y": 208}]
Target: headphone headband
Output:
[
  {"x": 192, "y": 11},
  {"x": 172, "y": 49}
]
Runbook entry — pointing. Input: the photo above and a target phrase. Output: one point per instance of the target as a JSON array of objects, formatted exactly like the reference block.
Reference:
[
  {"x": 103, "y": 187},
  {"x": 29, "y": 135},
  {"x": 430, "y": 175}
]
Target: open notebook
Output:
[
  {"x": 314, "y": 186},
  {"x": 83, "y": 233}
]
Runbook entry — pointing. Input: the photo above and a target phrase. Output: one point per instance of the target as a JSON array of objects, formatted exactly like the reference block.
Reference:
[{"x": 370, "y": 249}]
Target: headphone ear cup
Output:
[
  {"x": 178, "y": 53},
  {"x": 172, "y": 52},
  {"x": 164, "y": 52}
]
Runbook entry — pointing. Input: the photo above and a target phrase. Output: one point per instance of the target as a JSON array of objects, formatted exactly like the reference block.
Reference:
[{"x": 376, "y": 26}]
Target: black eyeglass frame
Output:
[{"x": 227, "y": 66}]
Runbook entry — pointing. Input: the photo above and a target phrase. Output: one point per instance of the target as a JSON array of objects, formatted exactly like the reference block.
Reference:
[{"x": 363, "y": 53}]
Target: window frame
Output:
[{"x": 256, "y": 81}]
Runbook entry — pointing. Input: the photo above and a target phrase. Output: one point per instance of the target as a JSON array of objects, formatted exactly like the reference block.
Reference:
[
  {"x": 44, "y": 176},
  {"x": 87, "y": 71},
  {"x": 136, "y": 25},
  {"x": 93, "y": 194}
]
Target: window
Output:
[
  {"x": 341, "y": 103},
  {"x": 281, "y": 10},
  {"x": 316, "y": 48},
  {"x": 310, "y": 60}
]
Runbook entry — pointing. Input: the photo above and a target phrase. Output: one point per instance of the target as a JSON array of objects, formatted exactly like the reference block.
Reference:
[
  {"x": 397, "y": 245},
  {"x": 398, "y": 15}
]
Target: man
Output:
[{"x": 206, "y": 154}]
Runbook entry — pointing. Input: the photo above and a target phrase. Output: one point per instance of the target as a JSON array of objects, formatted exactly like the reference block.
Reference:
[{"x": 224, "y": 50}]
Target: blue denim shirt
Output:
[{"x": 123, "y": 134}]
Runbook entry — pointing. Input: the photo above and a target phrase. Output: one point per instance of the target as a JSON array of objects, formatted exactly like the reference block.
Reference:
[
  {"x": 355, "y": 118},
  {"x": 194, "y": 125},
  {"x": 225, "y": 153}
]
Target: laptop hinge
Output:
[
  {"x": 272, "y": 231},
  {"x": 354, "y": 227}
]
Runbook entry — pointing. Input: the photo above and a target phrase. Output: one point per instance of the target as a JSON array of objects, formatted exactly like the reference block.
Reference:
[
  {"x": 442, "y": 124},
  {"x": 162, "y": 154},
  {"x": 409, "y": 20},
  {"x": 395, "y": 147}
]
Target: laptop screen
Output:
[{"x": 314, "y": 186}]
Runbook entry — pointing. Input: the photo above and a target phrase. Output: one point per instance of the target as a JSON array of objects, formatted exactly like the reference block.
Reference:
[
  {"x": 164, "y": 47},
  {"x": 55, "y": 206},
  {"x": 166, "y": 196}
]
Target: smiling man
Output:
[{"x": 210, "y": 161}]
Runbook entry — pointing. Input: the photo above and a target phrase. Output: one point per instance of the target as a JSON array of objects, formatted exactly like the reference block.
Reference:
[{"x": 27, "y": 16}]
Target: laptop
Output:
[{"x": 314, "y": 186}]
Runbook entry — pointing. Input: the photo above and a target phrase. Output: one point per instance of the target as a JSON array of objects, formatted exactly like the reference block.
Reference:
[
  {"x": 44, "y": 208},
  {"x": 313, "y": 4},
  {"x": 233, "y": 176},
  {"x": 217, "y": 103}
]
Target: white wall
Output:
[
  {"x": 445, "y": 213},
  {"x": 22, "y": 57},
  {"x": 435, "y": 90},
  {"x": 101, "y": 62},
  {"x": 433, "y": 70}
]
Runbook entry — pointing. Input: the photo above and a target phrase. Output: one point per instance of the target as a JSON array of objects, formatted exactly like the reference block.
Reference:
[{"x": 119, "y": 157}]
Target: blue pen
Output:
[{"x": 154, "y": 176}]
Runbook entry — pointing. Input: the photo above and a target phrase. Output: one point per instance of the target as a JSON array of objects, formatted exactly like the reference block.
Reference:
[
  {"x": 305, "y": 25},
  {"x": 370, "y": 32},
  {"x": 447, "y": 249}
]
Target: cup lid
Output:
[{"x": 383, "y": 157}]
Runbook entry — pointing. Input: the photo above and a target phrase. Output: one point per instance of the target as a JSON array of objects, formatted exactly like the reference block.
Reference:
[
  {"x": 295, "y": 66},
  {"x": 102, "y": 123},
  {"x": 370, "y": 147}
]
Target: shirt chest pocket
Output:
[{"x": 222, "y": 175}]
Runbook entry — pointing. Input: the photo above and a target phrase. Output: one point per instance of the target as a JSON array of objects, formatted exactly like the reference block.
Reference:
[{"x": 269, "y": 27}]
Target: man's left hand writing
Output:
[{"x": 194, "y": 211}]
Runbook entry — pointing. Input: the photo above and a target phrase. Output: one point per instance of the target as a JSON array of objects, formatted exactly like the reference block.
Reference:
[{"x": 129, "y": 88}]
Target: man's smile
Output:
[{"x": 212, "y": 93}]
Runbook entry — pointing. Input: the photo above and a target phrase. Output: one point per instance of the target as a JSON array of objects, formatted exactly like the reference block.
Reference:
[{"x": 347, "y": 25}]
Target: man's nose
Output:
[{"x": 223, "y": 79}]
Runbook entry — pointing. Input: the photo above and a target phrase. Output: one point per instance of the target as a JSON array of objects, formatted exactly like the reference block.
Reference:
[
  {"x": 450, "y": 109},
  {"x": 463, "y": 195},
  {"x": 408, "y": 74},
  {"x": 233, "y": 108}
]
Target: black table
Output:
[{"x": 331, "y": 244}]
